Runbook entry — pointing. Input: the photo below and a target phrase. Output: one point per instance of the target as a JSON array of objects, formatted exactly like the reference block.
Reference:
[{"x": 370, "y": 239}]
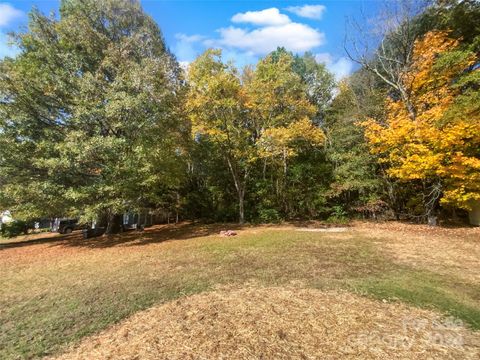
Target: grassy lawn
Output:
[{"x": 54, "y": 292}]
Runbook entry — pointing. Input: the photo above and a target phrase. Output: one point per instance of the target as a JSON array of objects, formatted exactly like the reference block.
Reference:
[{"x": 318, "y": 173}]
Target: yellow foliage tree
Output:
[
  {"x": 280, "y": 110},
  {"x": 265, "y": 113},
  {"x": 437, "y": 139}
]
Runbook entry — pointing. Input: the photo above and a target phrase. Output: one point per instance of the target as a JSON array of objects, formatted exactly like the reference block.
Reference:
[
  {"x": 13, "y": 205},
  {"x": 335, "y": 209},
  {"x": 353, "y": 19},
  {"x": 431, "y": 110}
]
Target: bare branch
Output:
[{"x": 392, "y": 36}]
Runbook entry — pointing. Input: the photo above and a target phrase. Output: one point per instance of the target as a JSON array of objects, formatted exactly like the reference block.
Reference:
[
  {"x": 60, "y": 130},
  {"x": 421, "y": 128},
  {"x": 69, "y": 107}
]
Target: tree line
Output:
[{"x": 98, "y": 118}]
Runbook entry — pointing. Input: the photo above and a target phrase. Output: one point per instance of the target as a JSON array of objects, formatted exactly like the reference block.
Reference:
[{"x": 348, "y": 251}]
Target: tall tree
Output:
[
  {"x": 318, "y": 81},
  {"x": 440, "y": 146},
  {"x": 384, "y": 45},
  {"x": 92, "y": 98},
  {"x": 264, "y": 115},
  {"x": 355, "y": 177},
  {"x": 216, "y": 107},
  {"x": 282, "y": 114}
]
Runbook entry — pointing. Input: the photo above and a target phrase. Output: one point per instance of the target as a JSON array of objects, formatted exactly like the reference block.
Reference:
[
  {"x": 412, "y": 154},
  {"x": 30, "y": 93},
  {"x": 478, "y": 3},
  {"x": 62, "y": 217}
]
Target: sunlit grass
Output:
[
  {"x": 428, "y": 290},
  {"x": 55, "y": 293}
]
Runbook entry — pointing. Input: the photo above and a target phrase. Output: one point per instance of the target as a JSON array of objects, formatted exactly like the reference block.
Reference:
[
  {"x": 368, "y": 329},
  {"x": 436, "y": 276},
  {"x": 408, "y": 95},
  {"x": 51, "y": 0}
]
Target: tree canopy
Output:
[
  {"x": 90, "y": 113},
  {"x": 97, "y": 118},
  {"x": 439, "y": 145}
]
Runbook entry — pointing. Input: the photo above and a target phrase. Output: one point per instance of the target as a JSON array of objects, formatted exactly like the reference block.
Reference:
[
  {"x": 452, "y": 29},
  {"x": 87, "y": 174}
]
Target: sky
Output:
[{"x": 245, "y": 30}]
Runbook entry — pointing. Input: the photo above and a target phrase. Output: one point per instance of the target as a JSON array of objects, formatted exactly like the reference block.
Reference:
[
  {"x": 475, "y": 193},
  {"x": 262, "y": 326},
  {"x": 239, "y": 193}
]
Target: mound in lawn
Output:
[{"x": 281, "y": 323}]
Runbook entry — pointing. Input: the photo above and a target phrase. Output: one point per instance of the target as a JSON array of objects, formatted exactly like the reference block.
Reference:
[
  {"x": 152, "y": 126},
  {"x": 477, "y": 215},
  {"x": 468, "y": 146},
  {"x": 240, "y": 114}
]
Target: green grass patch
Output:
[
  {"x": 427, "y": 290},
  {"x": 55, "y": 294}
]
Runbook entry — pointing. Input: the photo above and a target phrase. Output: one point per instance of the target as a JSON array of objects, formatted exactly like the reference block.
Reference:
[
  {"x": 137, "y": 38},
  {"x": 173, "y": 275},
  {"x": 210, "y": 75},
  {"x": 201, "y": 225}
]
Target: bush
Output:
[
  {"x": 269, "y": 216},
  {"x": 338, "y": 215},
  {"x": 14, "y": 228}
]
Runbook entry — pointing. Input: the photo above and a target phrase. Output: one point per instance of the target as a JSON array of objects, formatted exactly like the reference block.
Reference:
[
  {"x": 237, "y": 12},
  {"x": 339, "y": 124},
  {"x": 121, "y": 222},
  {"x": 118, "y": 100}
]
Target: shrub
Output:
[
  {"x": 338, "y": 215},
  {"x": 14, "y": 228},
  {"x": 269, "y": 216}
]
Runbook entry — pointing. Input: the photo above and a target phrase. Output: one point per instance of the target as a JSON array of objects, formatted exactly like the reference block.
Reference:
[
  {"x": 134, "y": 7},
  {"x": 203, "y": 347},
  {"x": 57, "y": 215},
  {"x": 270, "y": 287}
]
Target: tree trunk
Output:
[
  {"x": 410, "y": 108},
  {"x": 108, "y": 230},
  {"x": 177, "y": 206},
  {"x": 432, "y": 220},
  {"x": 240, "y": 187},
  {"x": 241, "y": 210},
  {"x": 114, "y": 224},
  {"x": 432, "y": 195}
]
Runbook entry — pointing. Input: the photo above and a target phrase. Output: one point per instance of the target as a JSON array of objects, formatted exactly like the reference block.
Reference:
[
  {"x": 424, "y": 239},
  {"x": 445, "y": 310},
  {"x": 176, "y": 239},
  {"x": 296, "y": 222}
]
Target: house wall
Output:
[{"x": 5, "y": 217}]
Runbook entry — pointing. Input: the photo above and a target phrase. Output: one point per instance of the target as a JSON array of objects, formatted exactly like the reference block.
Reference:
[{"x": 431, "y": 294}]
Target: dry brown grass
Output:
[
  {"x": 443, "y": 250},
  {"x": 57, "y": 291},
  {"x": 280, "y": 323}
]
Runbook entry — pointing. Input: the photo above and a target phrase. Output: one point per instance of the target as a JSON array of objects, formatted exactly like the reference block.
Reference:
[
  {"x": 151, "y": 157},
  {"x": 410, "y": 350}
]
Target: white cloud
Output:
[
  {"x": 189, "y": 38},
  {"x": 308, "y": 11},
  {"x": 293, "y": 36},
  {"x": 8, "y": 13},
  {"x": 187, "y": 47},
  {"x": 244, "y": 45},
  {"x": 325, "y": 58},
  {"x": 270, "y": 16},
  {"x": 239, "y": 58},
  {"x": 184, "y": 51},
  {"x": 340, "y": 68}
]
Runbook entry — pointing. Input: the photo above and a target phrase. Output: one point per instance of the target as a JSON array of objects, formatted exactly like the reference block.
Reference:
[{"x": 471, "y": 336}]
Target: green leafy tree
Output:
[
  {"x": 216, "y": 108},
  {"x": 90, "y": 122},
  {"x": 262, "y": 116},
  {"x": 356, "y": 181},
  {"x": 318, "y": 81},
  {"x": 287, "y": 97}
]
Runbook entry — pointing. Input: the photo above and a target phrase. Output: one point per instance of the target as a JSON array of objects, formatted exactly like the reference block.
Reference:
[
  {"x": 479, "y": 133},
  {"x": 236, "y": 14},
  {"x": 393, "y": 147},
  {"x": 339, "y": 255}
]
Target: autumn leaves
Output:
[{"x": 439, "y": 141}]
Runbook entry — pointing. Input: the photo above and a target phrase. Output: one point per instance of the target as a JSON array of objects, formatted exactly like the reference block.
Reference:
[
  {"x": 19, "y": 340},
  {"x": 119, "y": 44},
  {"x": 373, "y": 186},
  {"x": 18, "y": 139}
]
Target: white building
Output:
[{"x": 5, "y": 217}]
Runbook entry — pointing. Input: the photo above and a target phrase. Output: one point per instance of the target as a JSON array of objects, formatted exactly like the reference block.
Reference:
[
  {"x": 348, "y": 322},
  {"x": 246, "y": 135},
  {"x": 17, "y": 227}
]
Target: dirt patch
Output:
[
  {"x": 331, "y": 229},
  {"x": 282, "y": 323}
]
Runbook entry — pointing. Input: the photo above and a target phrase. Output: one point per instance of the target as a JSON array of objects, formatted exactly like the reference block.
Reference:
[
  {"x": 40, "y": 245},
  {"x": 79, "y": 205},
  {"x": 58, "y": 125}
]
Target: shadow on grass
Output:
[
  {"x": 42, "y": 238},
  {"x": 151, "y": 235},
  {"x": 154, "y": 234},
  {"x": 162, "y": 233}
]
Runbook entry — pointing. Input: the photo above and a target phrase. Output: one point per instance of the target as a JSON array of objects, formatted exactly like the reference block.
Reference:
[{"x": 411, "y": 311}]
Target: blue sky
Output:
[{"x": 245, "y": 30}]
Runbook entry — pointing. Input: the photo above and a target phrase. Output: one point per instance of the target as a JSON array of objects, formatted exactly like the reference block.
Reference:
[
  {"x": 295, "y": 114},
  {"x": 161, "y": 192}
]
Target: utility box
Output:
[{"x": 474, "y": 213}]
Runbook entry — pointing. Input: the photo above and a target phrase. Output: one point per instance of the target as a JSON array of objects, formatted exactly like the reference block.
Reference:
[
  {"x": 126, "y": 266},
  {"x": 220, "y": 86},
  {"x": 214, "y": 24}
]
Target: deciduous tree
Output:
[
  {"x": 440, "y": 145},
  {"x": 89, "y": 113}
]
